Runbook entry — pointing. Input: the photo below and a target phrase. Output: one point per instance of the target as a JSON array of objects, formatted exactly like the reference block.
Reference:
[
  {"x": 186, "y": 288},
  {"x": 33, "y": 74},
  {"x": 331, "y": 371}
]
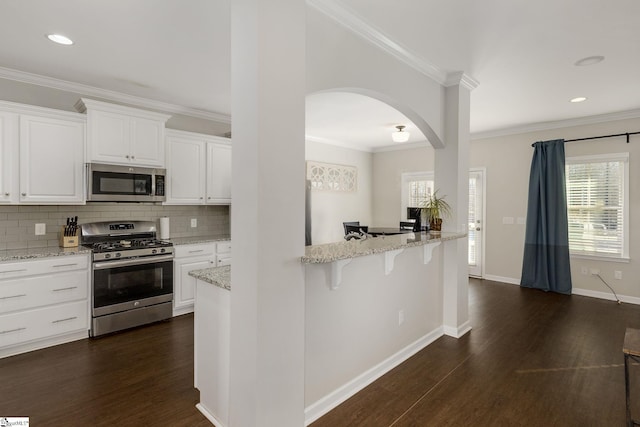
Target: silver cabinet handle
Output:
[
  {"x": 14, "y": 296},
  {"x": 65, "y": 265},
  {"x": 127, "y": 156},
  {"x": 24, "y": 194},
  {"x": 477, "y": 228},
  {"x": 65, "y": 320},
  {"x": 6, "y": 194},
  {"x": 12, "y": 330},
  {"x": 196, "y": 251},
  {"x": 133, "y": 157},
  {"x": 64, "y": 289},
  {"x": 13, "y": 271}
]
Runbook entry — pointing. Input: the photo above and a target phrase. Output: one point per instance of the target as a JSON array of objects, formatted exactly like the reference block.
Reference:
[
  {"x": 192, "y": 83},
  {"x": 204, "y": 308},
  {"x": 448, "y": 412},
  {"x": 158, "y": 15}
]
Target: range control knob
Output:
[
  {"x": 107, "y": 256},
  {"x": 153, "y": 251},
  {"x": 162, "y": 250},
  {"x": 118, "y": 254}
]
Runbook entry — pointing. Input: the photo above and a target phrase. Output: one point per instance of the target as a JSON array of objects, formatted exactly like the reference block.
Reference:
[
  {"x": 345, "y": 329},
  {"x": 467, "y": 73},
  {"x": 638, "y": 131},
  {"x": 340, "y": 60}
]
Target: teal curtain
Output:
[{"x": 546, "y": 245}]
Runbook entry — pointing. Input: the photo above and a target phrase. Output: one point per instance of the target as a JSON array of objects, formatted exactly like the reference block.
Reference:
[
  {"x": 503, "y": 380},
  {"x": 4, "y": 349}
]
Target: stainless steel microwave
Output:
[{"x": 115, "y": 183}]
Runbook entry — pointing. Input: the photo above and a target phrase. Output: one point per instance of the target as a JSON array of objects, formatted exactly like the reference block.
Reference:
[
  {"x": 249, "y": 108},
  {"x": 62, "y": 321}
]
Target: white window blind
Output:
[{"x": 597, "y": 205}]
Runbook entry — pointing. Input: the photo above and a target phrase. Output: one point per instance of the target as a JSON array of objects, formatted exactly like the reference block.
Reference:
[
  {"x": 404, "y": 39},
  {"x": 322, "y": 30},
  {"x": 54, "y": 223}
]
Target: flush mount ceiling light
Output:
[
  {"x": 60, "y": 39},
  {"x": 578, "y": 99},
  {"x": 400, "y": 135},
  {"x": 590, "y": 60}
]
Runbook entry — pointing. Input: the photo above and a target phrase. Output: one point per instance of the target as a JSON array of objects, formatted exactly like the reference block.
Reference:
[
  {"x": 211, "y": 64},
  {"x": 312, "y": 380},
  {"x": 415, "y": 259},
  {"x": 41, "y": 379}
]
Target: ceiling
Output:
[{"x": 521, "y": 53}]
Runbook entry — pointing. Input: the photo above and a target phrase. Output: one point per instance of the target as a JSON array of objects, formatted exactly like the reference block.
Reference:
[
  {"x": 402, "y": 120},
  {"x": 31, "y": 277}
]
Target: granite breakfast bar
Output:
[{"x": 369, "y": 305}]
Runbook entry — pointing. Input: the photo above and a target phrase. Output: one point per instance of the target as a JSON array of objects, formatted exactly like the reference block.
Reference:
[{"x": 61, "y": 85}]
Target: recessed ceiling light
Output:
[
  {"x": 590, "y": 60},
  {"x": 579, "y": 99},
  {"x": 60, "y": 39}
]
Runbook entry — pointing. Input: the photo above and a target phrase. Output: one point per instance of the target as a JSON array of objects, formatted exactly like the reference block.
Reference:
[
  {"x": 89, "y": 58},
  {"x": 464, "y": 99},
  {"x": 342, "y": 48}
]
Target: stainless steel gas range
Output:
[{"x": 132, "y": 275}]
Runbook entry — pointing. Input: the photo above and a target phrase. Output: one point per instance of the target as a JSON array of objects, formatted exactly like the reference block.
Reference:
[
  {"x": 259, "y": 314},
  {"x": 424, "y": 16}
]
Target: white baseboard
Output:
[
  {"x": 336, "y": 397},
  {"x": 209, "y": 416},
  {"x": 44, "y": 343},
  {"x": 509, "y": 280},
  {"x": 575, "y": 291},
  {"x": 605, "y": 295},
  {"x": 459, "y": 331}
]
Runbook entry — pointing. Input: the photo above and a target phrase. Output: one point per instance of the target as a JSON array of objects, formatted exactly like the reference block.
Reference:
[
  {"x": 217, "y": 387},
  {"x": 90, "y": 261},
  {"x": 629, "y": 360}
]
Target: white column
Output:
[
  {"x": 267, "y": 280},
  {"x": 452, "y": 180}
]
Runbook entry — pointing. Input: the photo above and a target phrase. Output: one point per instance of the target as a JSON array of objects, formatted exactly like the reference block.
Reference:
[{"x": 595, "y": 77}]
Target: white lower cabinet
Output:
[
  {"x": 188, "y": 258},
  {"x": 43, "y": 302},
  {"x": 191, "y": 257}
]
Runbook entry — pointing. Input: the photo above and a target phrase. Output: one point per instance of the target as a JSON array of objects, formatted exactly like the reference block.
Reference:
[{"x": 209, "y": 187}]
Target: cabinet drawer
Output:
[
  {"x": 37, "y": 291},
  {"x": 198, "y": 249},
  {"x": 43, "y": 266},
  {"x": 223, "y": 247},
  {"x": 42, "y": 323}
]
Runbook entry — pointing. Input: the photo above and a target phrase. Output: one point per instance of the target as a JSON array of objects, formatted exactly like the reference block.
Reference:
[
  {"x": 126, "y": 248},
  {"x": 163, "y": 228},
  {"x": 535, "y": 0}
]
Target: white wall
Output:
[
  {"x": 329, "y": 209},
  {"x": 354, "y": 328},
  {"x": 507, "y": 160},
  {"x": 388, "y": 167}
]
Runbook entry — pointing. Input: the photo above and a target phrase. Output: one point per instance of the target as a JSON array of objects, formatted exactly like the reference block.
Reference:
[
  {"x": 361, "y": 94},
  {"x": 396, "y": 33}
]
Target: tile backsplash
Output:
[{"x": 17, "y": 223}]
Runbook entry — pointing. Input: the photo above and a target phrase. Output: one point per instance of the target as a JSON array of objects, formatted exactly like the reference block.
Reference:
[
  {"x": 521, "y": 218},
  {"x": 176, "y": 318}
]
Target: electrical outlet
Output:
[
  {"x": 584, "y": 270},
  {"x": 41, "y": 229},
  {"x": 194, "y": 222},
  {"x": 617, "y": 274},
  {"x": 400, "y": 317},
  {"x": 594, "y": 271}
]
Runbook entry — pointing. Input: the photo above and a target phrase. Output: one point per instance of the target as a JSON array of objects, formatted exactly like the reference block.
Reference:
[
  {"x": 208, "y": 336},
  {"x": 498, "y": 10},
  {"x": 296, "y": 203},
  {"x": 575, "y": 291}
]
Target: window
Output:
[
  {"x": 415, "y": 189},
  {"x": 597, "y": 205}
]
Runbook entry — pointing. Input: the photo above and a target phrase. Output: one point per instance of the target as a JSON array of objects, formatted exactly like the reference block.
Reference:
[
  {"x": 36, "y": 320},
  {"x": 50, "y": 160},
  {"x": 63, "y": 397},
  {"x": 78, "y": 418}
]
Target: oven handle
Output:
[{"x": 132, "y": 261}]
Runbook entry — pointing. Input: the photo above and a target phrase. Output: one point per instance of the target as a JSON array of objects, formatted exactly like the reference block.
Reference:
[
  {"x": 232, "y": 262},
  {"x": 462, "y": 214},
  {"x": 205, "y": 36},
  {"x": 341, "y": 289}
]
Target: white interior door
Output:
[{"x": 476, "y": 222}]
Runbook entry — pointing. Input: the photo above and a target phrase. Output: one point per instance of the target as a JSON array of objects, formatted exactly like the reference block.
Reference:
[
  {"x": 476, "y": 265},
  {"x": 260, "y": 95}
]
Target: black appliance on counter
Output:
[{"x": 132, "y": 275}]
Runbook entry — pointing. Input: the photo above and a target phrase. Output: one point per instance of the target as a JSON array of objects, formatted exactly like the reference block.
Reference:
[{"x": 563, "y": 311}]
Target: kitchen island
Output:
[
  {"x": 369, "y": 305},
  {"x": 212, "y": 325}
]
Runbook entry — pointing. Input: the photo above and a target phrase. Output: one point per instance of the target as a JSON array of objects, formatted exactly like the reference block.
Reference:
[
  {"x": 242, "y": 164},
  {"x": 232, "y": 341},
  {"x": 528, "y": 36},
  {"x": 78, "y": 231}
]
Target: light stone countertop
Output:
[
  {"x": 218, "y": 276},
  {"x": 43, "y": 252},
  {"x": 177, "y": 241},
  {"x": 329, "y": 252}
]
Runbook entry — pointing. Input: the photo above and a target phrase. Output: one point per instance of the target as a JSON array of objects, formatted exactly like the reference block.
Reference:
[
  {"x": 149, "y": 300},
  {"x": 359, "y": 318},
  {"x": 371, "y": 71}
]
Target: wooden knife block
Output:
[{"x": 69, "y": 241}]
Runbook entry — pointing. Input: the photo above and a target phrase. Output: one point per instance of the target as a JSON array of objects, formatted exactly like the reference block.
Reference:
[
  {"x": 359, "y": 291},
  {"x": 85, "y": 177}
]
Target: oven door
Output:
[{"x": 126, "y": 284}]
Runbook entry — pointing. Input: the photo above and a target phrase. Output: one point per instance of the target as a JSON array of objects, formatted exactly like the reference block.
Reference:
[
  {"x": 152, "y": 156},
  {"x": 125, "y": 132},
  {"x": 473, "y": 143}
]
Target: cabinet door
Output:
[
  {"x": 147, "y": 142},
  {"x": 108, "y": 137},
  {"x": 185, "y": 171},
  {"x": 9, "y": 175},
  {"x": 184, "y": 285},
  {"x": 51, "y": 160},
  {"x": 218, "y": 173}
]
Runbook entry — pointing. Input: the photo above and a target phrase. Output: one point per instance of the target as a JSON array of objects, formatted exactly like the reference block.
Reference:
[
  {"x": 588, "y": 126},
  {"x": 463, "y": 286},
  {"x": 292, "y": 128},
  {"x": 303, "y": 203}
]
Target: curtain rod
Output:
[{"x": 600, "y": 137}]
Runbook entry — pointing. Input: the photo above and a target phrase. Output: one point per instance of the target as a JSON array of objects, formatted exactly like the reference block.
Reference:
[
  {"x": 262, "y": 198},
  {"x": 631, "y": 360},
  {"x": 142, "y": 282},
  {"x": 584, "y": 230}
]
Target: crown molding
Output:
[
  {"x": 462, "y": 79},
  {"x": 356, "y": 24},
  {"x": 558, "y": 124},
  {"x": 337, "y": 143},
  {"x": 86, "y": 90}
]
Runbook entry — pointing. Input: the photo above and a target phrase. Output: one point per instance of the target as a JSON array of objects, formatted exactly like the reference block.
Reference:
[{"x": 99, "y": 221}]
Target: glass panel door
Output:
[{"x": 476, "y": 221}]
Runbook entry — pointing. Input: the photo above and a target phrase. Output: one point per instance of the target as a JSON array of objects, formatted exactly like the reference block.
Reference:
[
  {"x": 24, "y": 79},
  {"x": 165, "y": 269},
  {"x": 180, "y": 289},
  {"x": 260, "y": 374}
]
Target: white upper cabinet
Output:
[
  {"x": 51, "y": 160},
  {"x": 186, "y": 169},
  {"x": 218, "y": 172},
  {"x": 198, "y": 168},
  {"x": 123, "y": 135},
  {"x": 9, "y": 184}
]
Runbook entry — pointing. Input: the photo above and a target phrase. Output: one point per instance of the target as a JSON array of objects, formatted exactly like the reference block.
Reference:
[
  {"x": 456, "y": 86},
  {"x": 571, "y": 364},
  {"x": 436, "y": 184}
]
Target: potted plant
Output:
[{"x": 434, "y": 209}]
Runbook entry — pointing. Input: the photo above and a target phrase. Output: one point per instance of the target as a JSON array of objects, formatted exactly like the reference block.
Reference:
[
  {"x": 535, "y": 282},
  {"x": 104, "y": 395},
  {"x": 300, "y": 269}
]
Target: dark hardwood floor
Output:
[
  {"x": 532, "y": 359},
  {"x": 140, "y": 377}
]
